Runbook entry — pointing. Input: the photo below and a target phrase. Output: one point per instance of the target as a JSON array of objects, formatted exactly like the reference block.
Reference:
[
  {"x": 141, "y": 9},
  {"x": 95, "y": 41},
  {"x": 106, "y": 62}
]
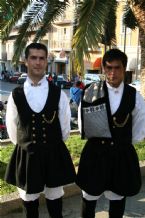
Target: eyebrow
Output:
[
  {"x": 110, "y": 66},
  {"x": 35, "y": 57}
]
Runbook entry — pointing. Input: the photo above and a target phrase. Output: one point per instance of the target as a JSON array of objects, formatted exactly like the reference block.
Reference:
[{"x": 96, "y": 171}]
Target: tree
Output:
[{"x": 95, "y": 22}]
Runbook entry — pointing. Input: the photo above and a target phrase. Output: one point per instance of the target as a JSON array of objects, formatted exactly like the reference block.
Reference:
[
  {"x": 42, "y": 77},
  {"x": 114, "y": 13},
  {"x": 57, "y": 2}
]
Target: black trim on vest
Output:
[{"x": 123, "y": 110}]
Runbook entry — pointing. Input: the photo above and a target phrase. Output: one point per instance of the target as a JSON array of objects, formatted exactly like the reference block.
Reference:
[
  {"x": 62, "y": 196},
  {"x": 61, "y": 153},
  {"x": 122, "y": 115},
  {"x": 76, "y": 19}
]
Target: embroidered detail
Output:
[
  {"x": 35, "y": 84},
  {"x": 51, "y": 120},
  {"x": 94, "y": 92},
  {"x": 94, "y": 108},
  {"x": 120, "y": 125}
]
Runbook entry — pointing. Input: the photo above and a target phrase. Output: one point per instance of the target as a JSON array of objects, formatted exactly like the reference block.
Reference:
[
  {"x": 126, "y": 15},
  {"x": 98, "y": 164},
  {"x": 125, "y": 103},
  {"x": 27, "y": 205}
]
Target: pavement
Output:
[{"x": 135, "y": 207}]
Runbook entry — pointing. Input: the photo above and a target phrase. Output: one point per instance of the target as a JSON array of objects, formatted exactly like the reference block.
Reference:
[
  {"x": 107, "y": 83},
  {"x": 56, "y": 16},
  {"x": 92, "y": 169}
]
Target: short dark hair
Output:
[
  {"x": 78, "y": 83},
  {"x": 35, "y": 45},
  {"x": 115, "y": 54}
]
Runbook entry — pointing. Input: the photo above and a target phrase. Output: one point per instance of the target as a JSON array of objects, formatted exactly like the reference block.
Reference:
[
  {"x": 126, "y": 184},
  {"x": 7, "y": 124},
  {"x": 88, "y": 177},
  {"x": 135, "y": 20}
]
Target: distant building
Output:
[{"x": 58, "y": 42}]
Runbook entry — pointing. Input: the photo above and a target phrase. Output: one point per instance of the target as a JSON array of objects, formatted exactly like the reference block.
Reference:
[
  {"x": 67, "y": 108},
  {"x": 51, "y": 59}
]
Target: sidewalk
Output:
[{"x": 135, "y": 207}]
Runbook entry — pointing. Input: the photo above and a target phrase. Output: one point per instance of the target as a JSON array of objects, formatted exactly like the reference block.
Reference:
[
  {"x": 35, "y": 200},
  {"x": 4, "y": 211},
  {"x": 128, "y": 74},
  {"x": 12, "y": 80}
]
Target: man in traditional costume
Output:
[
  {"x": 112, "y": 119},
  {"x": 38, "y": 123}
]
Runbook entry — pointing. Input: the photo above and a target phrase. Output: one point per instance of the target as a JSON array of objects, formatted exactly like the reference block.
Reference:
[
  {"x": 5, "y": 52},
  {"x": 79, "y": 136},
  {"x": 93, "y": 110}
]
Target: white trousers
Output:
[
  {"x": 50, "y": 193},
  {"x": 108, "y": 194}
]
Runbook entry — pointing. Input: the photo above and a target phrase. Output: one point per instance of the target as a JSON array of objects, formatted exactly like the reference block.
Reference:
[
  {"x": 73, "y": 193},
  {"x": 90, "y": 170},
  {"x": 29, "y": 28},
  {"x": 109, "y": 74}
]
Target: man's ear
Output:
[
  {"x": 26, "y": 64},
  {"x": 103, "y": 70}
]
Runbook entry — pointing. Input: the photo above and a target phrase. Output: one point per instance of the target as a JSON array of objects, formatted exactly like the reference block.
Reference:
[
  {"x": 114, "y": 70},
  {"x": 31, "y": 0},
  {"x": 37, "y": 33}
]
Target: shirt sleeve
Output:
[
  {"x": 79, "y": 118},
  {"x": 12, "y": 119},
  {"x": 138, "y": 114},
  {"x": 64, "y": 115}
]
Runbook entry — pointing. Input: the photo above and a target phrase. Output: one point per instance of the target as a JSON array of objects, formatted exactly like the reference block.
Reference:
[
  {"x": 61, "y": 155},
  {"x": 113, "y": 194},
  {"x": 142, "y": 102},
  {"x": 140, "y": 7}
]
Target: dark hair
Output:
[
  {"x": 115, "y": 54},
  {"x": 35, "y": 46},
  {"x": 78, "y": 83}
]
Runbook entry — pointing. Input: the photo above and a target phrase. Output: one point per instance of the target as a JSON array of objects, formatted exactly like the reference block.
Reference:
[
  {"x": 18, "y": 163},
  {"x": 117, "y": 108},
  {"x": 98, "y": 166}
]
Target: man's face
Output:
[
  {"x": 36, "y": 63},
  {"x": 114, "y": 72}
]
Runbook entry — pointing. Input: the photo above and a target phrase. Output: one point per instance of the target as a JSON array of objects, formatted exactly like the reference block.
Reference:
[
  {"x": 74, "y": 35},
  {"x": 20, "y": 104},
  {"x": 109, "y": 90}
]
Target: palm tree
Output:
[
  {"x": 94, "y": 20},
  {"x": 135, "y": 17}
]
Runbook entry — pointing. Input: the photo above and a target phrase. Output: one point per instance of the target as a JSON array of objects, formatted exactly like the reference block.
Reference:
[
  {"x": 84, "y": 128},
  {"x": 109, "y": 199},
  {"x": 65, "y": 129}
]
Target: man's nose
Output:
[
  {"x": 113, "y": 70},
  {"x": 38, "y": 61}
]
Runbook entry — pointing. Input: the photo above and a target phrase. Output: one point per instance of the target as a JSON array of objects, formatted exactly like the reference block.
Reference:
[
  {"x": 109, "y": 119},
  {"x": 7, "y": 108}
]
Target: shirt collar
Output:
[
  {"x": 43, "y": 82},
  {"x": 115, "y": 90}
]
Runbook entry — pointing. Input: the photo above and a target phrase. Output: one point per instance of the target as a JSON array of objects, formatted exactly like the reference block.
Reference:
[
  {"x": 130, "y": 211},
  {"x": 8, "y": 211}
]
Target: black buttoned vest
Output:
[{"x": 37, "y": 130}]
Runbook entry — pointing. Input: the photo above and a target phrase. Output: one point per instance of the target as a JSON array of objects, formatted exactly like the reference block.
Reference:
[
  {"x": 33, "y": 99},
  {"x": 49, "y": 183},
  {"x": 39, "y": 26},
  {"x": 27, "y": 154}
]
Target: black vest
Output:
[
  {"x": 120, "y": 123},
  {"x": 35, "y": 130}
]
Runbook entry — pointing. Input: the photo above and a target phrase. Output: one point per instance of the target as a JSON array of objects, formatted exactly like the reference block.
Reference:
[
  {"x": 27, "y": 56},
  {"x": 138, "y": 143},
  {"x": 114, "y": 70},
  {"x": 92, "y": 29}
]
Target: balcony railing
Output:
[{"x": 60, "y": 44}]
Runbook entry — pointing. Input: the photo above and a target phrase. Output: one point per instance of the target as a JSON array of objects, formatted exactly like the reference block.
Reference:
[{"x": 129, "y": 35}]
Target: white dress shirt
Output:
[
  {"x": 138, "y": 126},
  {"x": 36, "y": 97}
]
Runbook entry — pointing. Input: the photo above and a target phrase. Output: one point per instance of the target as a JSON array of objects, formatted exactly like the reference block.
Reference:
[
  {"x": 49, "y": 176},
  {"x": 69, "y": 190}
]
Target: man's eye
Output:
[
  {"x": 33, "y": 58},
  {"x": 109, "y": 68},
  {"x": 118, "y": 67}
]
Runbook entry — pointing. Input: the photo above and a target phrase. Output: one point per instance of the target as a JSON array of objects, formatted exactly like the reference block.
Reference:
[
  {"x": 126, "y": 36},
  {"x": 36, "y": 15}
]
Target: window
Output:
[{"x": 64, "y": 30}]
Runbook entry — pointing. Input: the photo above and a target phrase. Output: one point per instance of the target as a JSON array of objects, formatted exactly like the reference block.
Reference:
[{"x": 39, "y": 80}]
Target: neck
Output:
[
  {"x": 35, "y": 79},
  {"x": 114, "y": 85}
]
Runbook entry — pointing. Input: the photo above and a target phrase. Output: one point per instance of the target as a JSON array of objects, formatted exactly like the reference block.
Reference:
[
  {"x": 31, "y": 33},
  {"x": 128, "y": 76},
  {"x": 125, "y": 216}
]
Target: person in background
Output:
[
  {"x": 50, "y": 79},
  {"x": 75, "y": 93},
  {"x": 38, "y": 123},
  {"x": 111, "y": 118}
]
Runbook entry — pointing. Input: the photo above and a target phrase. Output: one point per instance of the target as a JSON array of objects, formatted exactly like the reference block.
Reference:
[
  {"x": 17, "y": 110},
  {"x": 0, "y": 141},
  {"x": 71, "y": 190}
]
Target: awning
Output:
[
  {"x": 132, "y": 64},
  {"x": 97, "y": 63},
  {"x": 61, "y": 60}
]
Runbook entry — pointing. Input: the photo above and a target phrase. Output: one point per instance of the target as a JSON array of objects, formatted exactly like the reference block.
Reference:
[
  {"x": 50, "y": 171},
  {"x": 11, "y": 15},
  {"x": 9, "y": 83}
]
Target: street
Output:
[{"x": 7, "y": 87}]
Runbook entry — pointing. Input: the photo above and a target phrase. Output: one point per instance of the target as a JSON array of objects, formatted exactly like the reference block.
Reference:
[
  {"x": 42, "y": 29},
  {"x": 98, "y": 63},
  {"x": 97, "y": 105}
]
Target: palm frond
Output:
[
  {"x": 129, "y": 19},
  {"x": 92, "y": 16},
  {"x": 109, "y": 36},
  {"x": 30, "y": 23},
  {"x": 37, "y": 20},
  {"x": 14, "y": 11},
  {"x": 18, "y": 51},
  {"x": 53, "y": 11}
]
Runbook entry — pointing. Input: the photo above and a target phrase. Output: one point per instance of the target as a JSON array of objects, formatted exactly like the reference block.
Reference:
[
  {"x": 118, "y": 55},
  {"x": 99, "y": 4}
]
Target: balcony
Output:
[{"x": 58, "y": 45}]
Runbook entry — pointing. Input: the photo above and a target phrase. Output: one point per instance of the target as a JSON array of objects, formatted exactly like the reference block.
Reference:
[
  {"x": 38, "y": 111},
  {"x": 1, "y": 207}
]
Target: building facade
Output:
[{"x": 58, "y": 41}]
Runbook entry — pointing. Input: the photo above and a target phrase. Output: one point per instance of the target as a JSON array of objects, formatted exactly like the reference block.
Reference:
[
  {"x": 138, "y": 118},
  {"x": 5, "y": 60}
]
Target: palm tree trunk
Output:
[
  {"x": 139, "y": 12},
  {"x": 142, "y": 43}
]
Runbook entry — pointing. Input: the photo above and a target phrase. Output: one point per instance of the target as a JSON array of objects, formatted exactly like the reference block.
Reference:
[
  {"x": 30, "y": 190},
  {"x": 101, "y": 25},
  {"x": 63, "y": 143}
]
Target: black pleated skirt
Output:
[
  {"x": 49, "y": 166},
  {"x": 106, "y": 167}
]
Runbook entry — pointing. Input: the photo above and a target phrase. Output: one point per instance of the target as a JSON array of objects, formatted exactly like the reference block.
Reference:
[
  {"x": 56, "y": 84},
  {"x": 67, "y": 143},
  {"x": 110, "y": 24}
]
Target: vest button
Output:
[
  {"x": 44, "y": 135},
  {"x": 43, "y": 121},
  {"x": 33, "y": 128},
  {"x": 113, "y": 127},
  {"x": 43, "y": 128},
  {"x": 34, "y": 142},
  {"x": 112, "y": 143},
  {"x": 33, "y": 115},
  {"x": 33, "y": 121},
  {"x": 103, "y": 142},
  {"x": 44, "y": 142},
  {"x": 43, "y": 115},
  {"x": 33, "y": 135},
  {"x": 114, "y": 118}
]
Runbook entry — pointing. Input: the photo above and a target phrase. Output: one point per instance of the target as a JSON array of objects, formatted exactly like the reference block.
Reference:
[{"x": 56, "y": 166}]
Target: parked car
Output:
[
  {"x": 136, "y": 84},
  {"x": 14, "y": 77},
  {"x": 63, "y": 83},
  {"x": 89, "y": 78},
  {"x": 22, "y": 78}
]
